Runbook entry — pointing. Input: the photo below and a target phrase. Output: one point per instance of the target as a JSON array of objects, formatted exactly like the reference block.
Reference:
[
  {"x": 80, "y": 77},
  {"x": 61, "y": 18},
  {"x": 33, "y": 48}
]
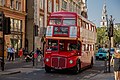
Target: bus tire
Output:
[
  {"x": 47, "y": 69},
  {"x": 77, "y": 68}
]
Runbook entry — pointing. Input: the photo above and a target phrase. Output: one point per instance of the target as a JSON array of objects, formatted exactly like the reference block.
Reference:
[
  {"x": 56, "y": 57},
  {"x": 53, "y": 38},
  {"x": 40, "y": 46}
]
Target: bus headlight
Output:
[
  {"x": 71, "y": 61},
  {"x": 47, "y": 60}
]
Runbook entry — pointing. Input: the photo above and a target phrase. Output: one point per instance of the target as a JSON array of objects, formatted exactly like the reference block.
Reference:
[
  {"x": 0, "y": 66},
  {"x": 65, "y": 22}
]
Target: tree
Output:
[
  {"x": 102, "y": 38},
  {"x": 116, "y": 36}
]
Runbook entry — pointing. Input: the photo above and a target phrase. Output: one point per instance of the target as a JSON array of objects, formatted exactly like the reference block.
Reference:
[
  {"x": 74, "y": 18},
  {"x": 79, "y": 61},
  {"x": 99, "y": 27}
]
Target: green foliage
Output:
[
  {"x": 102, "y": 38},
  {"x": 116, "y": 36}
]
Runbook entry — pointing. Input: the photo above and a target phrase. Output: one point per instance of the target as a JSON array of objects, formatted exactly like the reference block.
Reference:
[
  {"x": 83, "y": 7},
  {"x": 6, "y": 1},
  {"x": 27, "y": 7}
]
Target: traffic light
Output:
[
  {"x": 110, "y": 32},
  {"x": 1, "y": 21},
  {"x": 7, "y": 26},
  {"x": 36, "y": 30}
]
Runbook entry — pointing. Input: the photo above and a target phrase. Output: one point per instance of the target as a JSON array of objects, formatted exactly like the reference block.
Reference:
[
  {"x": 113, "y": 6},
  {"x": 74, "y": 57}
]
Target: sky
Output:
[{"x": 95, "y": 10}]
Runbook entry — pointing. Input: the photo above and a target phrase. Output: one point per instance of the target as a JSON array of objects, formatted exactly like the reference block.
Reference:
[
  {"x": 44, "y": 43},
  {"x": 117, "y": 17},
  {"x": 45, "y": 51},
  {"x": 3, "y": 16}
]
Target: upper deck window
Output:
[
  {"x": 69, "y": 21},
  {"x": 55, "y": 21}
]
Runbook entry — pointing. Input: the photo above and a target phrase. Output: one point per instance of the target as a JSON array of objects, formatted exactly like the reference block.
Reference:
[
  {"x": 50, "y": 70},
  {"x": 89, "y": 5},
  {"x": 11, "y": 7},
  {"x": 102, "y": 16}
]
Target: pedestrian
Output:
[
  {"x": 8, "y": 52},
  {"x": 41, "y": 59},
  {"x": 115, "y": 61},
  {"x": 20, "y": 53},
  {"x": 12, "y": 51},
  {"x": 38, "y": 51}
]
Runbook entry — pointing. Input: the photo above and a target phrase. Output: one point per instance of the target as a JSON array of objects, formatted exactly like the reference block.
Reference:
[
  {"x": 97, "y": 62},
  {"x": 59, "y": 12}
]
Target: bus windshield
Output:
[
  {"x": 65, "y": 21},
  {"x": 55, "y": 21},
  {"x": 69, "y": 21}
]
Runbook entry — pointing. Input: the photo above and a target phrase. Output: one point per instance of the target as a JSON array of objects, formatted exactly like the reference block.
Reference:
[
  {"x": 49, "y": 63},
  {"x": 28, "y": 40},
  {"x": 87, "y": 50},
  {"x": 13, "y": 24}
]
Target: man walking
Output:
[
  {"x": 12, "y": 51},
  {"x": 8, "y": 52}
]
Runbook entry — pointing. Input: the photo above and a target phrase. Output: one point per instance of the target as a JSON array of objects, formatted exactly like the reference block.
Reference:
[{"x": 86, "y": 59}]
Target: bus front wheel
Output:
[{"x": 76, "y": 69}]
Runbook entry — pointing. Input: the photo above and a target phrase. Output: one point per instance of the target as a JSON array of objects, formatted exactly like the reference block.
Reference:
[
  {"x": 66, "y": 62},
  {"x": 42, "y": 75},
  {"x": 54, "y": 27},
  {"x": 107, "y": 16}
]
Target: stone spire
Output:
[{"x": 103, "y": 22}]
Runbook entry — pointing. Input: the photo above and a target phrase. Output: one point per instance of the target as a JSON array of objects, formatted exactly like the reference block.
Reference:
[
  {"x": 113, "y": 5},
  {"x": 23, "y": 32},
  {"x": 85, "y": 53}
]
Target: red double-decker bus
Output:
[{"x": 70, "y": 42}]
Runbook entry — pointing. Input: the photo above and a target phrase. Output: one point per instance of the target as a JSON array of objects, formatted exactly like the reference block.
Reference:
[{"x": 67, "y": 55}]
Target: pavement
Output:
[
  {"x": 29, "y": 68},
  {"x": 105, "y": 74}
]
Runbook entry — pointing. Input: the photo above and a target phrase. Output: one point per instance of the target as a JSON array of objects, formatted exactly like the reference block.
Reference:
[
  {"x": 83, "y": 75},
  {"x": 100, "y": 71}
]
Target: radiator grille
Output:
[
  {"x": 55, "y": 62},
  {"x": 58, "y": 62}
]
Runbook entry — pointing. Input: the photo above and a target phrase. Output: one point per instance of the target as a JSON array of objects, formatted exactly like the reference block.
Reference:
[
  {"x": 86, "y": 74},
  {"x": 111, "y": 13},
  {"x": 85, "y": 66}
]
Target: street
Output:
[
  {"x": 40, "y": 74},
  {"x": 37, "y": 36}
]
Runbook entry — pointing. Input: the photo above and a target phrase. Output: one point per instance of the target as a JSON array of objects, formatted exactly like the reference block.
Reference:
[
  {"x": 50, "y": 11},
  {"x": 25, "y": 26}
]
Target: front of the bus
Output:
[{"x": 62, "y": 47}]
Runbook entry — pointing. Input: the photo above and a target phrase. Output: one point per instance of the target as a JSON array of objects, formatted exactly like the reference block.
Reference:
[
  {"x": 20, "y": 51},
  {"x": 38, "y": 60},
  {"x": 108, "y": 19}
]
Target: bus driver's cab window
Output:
[
  {"x": 61, "y": 46},
  {"x": 52, "y": 45}
]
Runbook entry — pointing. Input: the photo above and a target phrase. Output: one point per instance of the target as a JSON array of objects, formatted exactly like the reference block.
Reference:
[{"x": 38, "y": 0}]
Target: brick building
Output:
[{"x": 16, "y": 10}]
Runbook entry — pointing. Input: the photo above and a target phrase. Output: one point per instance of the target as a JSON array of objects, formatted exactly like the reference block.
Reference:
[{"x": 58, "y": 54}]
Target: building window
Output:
[
  {"x": 12, "y": 26},
  {"x": 41, "y": 25},
  {"x": 74, "y": 7},
  {"x": 17, "y": 5},
  {"x": 50, "y": 6},
  {"x": 41, "y": 4},
  {"x": 103, "y": 23},
  {"x": 11, "y": 4},
  {"x": 70, "y": 7},
  {"x": 64, "y": 4},
  {"x": 41, "y": 21},
  {"x": 16, "y": 25},
  {"x": 2, "y": 2},
  {"x": 57, "y": 7},
  {"x": 79, "y": 12}
]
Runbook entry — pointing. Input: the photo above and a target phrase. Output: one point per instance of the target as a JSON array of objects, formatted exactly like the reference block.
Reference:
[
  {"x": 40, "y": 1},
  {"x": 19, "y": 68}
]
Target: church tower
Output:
[{"x": 103, "y": 22}]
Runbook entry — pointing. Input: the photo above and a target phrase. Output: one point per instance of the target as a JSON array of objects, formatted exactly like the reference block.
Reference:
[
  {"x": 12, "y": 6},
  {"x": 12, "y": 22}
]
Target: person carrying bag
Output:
[{"x": 115, "y": 61}]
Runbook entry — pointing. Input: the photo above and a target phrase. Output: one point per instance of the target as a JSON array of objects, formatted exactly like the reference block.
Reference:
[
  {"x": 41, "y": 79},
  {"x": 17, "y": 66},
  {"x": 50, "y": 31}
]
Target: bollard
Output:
[{"x": 105, "y": 64}]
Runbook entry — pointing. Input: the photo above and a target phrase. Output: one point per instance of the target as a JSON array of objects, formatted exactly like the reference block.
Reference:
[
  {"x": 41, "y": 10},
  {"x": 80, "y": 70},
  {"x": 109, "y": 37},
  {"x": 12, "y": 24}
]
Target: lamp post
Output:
[
  {"x": 35, "y": 33},
  {"x": 110, "y": 34},
  {"x": 3, "y": 45},
  {"x": 2, "y": 29},
  {"x": 33, "y": 45}
]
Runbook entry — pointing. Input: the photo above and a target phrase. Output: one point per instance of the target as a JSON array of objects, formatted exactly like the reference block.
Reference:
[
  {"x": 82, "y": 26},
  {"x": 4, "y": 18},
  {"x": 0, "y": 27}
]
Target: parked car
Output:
[{"x": 101, "y": 54}]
